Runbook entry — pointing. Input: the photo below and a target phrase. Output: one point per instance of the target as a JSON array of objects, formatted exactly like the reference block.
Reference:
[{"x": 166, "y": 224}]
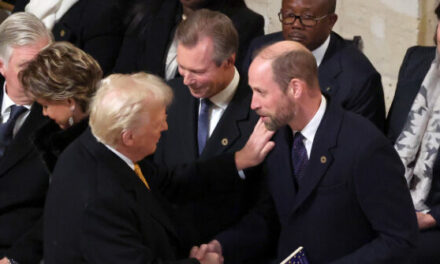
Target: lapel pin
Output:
[
  {"x": 323, "y": 159},
  {"x": 62, "y": 33},
  {"x": 328, "y": 88},
  {"x": 225, "y": 141}
]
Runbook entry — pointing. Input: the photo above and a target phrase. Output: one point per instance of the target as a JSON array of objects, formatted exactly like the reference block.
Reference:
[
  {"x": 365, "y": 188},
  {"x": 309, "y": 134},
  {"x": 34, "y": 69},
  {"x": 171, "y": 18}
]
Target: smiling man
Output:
[
  {"x": 210, "y": 114},
  {"x": 344, "y": 72}
]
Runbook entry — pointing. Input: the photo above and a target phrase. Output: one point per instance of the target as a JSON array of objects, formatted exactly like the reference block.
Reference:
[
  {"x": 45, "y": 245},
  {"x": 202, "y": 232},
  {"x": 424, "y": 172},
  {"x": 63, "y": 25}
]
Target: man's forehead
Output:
[{"x": 305, "y": 4}]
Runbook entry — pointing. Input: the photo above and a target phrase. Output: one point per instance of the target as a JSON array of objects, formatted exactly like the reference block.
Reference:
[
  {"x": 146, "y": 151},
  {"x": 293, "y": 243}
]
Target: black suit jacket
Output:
[
  {"x": 140, "y": 53},
  {"x": 99, "y": 211},
  {"x": 95, "y": 26},
  {"x": 415, "y": 66},
  {"x": 23, "y": 184},
  {"x": 345, "y": 74},
  {"x": 178, "y": 145},
  {"x": 351, "y": 204}
]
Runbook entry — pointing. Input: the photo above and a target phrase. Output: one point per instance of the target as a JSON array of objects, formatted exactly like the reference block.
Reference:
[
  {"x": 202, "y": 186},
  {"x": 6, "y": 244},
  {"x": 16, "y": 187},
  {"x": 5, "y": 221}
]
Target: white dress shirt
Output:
[
  {"x": 128, "y": 161},
  {"x": 320, "y": 51},
  {"x": 220, "y": 102},
  {"x": 309, "y": 131}
]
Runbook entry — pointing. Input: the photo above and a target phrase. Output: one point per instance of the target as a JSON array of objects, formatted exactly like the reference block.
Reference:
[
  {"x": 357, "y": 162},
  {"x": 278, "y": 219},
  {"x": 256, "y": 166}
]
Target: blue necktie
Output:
[
  {"x": 203, "y": 124},
  {"x": 6, "y": 129},
  {"x": 299, "y": 154}
]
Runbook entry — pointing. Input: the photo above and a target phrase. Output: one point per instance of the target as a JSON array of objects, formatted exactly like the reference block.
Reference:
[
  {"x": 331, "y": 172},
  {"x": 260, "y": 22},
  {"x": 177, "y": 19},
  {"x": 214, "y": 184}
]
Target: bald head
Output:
[{"x": 289, "y": 59}]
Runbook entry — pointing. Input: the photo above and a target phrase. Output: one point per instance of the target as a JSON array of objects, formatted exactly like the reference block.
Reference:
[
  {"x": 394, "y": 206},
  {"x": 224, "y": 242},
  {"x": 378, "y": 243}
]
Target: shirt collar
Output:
[
  {"x": 7, "y": 101},
  {"x": 121, "y": 156},
  {"x": 320, "y": 51},
  {"x": 223, "y": 98},
  {"x": 309, "y": 131}
]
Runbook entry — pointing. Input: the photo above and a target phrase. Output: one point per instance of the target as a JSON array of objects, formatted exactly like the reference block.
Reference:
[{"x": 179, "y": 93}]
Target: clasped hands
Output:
[{"x": 210, "y": 253}]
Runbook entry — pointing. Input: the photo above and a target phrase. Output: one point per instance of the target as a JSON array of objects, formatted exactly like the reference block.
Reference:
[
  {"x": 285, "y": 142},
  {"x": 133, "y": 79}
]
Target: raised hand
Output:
[{"x": 257, "y": 147}]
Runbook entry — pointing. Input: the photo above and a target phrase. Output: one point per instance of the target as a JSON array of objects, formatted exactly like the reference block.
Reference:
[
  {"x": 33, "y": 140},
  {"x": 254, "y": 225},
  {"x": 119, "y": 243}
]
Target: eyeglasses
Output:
[{"x": 305, "y": 20}]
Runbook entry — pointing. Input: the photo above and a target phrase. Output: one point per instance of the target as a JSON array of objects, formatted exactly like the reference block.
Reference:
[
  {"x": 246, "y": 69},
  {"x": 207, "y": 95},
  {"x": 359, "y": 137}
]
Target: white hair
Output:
[
  {"x": 21, "y": 29},
  {"x": 120, "y": 101}
]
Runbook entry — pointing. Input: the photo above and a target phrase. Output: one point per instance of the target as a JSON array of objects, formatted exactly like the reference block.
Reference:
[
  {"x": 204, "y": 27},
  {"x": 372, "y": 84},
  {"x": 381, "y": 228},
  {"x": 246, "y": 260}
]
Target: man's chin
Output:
[{"x": 269, "y": 124}]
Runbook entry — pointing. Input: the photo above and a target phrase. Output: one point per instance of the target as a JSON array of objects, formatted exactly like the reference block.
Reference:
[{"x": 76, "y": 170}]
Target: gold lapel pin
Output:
[
  {"x": 323, "y": 159},
  {"x": 225, "y": 141},
  {"x": 328, "y": 88}
]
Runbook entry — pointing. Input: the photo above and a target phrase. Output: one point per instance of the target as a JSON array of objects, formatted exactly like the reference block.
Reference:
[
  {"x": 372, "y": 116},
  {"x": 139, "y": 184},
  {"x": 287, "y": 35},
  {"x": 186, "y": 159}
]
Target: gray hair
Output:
[
  {"x": 213, "y": 24},
  {"x": 120, "y": 101},
  {"x": 21, "y": 29}
]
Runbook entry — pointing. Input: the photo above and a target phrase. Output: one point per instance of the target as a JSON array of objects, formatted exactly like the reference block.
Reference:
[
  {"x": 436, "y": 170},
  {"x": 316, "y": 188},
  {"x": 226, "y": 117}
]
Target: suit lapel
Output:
[
  {"x": 330, "y": 67},
  {"x": 227, "y": 131},
  {"x": 21, "y": 145},
  {"x": 284, "y": 186},
  {"x": 321, "y": 156},
  {"x": 189, "y": 122}
]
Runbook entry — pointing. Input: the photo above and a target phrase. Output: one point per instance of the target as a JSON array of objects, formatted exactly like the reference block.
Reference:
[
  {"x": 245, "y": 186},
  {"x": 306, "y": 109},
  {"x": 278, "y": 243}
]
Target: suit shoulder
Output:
[
  {"x": 361, "y": 130},
  {"x": 354, "y": 61}
]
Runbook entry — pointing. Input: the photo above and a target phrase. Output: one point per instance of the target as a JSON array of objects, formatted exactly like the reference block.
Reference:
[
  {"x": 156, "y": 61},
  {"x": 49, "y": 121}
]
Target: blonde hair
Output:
[
  {"x": 120, "y": 101},
  {"x": 19, "y": 30},
  {"x": 62, "y": 71}
]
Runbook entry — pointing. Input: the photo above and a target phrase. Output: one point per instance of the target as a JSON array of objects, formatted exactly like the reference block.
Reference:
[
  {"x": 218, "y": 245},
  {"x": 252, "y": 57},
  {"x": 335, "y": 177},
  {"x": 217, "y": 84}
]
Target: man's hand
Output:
[
  {"x": 208, "y": 253},
  {"x": 256, "y": 149},
  {"x": 425, "y": 221}
]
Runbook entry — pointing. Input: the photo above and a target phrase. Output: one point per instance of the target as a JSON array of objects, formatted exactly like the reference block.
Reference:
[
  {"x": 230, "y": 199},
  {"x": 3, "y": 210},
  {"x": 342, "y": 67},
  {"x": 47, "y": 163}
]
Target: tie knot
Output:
[
  {"x": 298, "y": 140},
  {"x": 205, "y": 103},
  {"x": 16, "y": 111}
]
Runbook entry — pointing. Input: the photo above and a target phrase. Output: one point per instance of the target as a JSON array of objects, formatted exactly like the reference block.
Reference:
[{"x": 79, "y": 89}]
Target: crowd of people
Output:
[{"x": 175, "y": 131}]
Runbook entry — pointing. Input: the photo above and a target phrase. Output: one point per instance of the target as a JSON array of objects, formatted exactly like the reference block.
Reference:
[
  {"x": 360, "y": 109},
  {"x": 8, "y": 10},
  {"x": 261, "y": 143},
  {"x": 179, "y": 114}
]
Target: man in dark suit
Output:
[
  {"x": 23, "y": 177},
  {"x": 157, "y": 20},
  {"x": 207, "y": 46},
  {"x": 345, "y": 74},
  {"x": 95, "y": 26},
  {"x": 103, "y": 208},
  {"x": 335, "y": 181}
]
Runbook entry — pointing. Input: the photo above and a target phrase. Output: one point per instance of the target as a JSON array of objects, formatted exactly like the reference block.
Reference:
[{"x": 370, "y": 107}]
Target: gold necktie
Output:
[{"x": 138, "y": 172}]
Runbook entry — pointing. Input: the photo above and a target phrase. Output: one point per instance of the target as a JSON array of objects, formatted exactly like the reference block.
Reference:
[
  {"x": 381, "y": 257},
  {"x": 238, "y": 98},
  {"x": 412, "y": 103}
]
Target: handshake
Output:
[{"x": 210, "y": 253}]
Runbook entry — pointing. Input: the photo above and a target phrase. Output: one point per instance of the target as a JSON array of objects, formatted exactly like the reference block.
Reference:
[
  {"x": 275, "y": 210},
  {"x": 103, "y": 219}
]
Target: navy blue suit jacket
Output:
[
  {"x": 179, "y": 145},
  {"x": 345, "y": 74},
  {"x": 24, "y": 180},
  {"x": 351, "y": 204},
  {"x": 412, "y": 72}
]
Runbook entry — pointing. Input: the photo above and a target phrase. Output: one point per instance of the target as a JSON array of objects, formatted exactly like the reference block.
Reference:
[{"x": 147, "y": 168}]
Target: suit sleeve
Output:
[
  {"x": 255, "y": 236},
  {"x": 194, "y": 180},
  {"x": 369, "y": 100},
  {"x": 110, "y": 234},
  {"x": 389, "y": 210},
  {"x": 29, "y": 248},
  {"x": 391, "y": 129}
]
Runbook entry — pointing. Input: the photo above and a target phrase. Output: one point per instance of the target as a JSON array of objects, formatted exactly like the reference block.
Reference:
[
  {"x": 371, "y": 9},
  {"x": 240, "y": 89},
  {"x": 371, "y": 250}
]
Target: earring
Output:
[{"x": 70, "y": 120}]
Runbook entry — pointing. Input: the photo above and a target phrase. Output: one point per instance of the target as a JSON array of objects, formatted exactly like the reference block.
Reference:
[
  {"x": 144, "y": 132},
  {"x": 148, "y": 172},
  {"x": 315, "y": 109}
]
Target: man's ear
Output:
[
  {"x": 230, "y": 62},
  {"x": 2, "y": 67},
  {"x": 127, "y": 137},
  {"x": 332, "y": 20},
  {"x": 295, "y": 88}
]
